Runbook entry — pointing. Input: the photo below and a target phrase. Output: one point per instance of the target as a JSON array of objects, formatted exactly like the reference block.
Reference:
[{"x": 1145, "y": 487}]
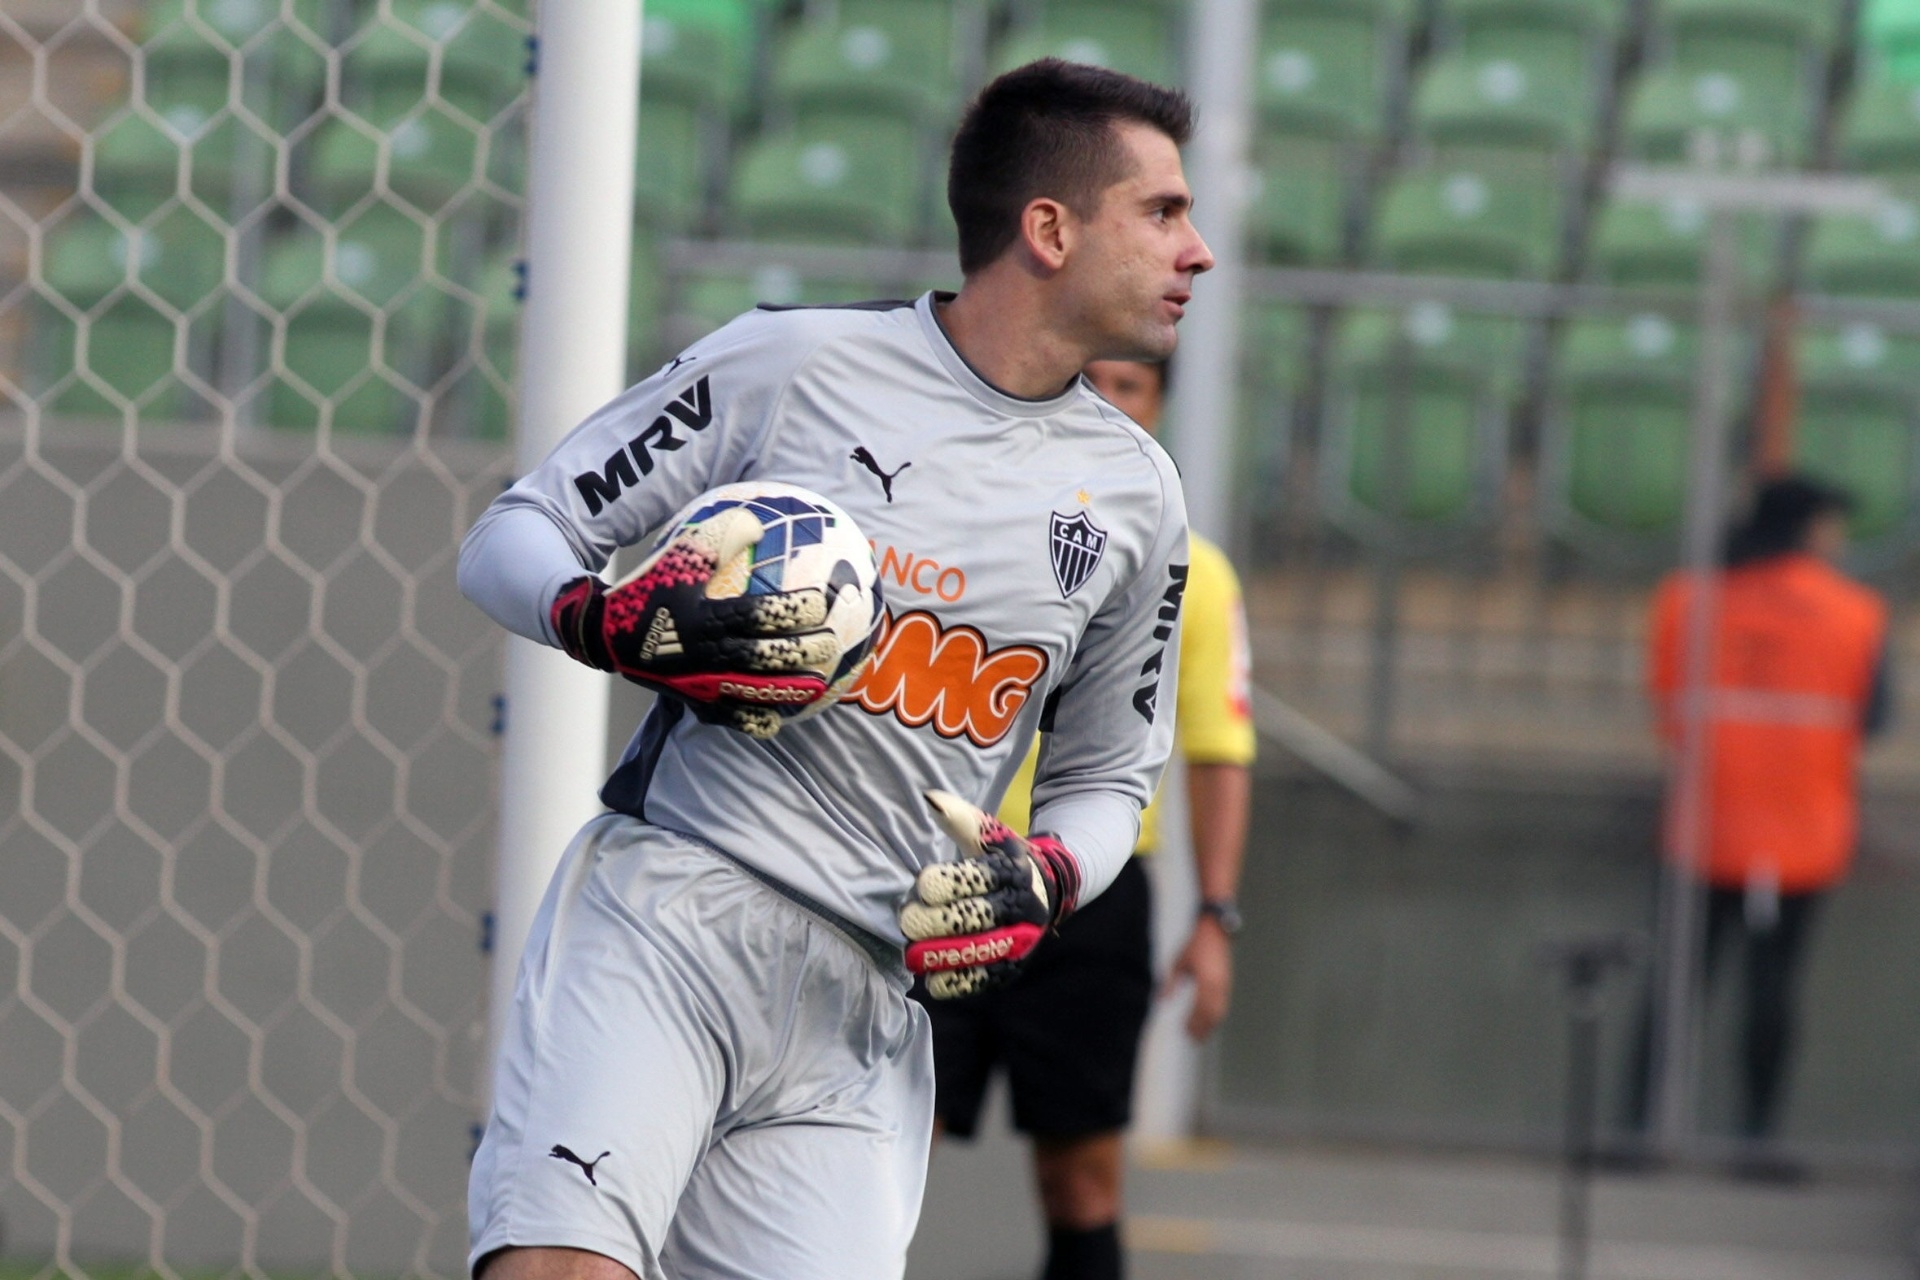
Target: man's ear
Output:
[{"x": 1049, "y": 231}]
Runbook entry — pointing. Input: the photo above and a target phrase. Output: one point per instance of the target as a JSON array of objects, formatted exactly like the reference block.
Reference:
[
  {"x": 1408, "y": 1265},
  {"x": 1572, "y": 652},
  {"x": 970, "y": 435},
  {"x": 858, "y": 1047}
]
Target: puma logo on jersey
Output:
[
  {"x": 866, "y": 459},
  {"x": 927, "y": 674},
  {"x": 1146, "y": 699},
  {"x": 692, "y": 409},
  {"x": 586, "y": 1166}
]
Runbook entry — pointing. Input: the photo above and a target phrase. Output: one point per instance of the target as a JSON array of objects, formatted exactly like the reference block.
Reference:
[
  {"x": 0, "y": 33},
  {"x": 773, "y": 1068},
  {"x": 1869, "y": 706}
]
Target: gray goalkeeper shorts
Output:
[{"x": 701, "y": 1077}]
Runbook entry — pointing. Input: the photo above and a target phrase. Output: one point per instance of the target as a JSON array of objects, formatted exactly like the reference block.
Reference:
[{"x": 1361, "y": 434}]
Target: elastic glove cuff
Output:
[
  {"x": 577, "y": 618},
  {"x": 1061, "y": 870}
]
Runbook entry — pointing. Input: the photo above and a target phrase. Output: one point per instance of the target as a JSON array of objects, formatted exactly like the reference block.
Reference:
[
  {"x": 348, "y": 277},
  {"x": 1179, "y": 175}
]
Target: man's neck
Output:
[{"x": 998, "y": 327}]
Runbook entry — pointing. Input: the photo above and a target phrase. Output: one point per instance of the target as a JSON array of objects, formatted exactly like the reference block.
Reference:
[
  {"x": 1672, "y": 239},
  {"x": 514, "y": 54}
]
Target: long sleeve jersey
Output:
[{"x": 1032, "y": 554}]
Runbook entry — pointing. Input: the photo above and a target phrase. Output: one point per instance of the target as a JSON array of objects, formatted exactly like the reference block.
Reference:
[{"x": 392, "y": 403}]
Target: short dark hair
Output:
[
  {"x": 1783, "y": 512},
  {"x": 1047, "y": 129}
]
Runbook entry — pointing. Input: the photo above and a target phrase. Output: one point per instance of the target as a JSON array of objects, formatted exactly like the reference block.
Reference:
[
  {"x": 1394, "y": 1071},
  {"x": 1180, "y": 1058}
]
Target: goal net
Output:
[{"x": 257, "y": 296}]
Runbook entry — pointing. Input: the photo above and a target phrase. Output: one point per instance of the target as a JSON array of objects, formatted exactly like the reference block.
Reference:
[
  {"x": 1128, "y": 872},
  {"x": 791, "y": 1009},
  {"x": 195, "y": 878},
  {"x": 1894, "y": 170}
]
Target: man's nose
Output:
[{"x": 1198, "y": 257}]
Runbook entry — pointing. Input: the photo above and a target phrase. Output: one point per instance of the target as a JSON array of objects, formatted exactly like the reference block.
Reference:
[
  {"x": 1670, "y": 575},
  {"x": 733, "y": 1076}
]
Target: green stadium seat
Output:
[
  {"x": 189, "y": 51},
  {"x": 1536, "y": 92},
  {"x": 874, "y": 55},
  {"x": 710, "y": 297},
  {"x": 1130, "y": 38},
  {"x": 1873, "y": 256},
  {"x": 1867, "y": 449},
  {"x": 1858, "y": 356},
  {"x": 1752, "y": 111},
  {"x": 1323, "y": 67},
  {"x": 358, "y": 318},
  {"x": 1273, "y": 348},
  {"x": 1638, "y": 243},
  {"x": 1297, "y": 213},
  {"x": 1478, "y": 213},
  {"x": 1416, "y": 411},
  {"x": 1880, "y": 130},
  {"x": 845, "y": 180},
  {"x": 697, "y": 52},
  {"x": 425, "y": 160},
  {"x": 1791, "y": 23},
  {"x": 502, "y": 290},
  {"x": 1616, "y": 430},
  {"x": 1486, "y": 27},
  {"x": 1859, "y": 409},
  {"x": 137, "y": 164},
  {"x": 670, "y": 172},
  {"x": 386, "y": 67},
  {"x": 162, "y": 287}
]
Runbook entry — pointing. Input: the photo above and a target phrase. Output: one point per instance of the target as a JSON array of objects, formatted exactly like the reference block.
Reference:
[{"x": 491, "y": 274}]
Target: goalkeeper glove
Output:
[
  {"x": 735, "y": 660},
  {"x": 971, "y": 923}
]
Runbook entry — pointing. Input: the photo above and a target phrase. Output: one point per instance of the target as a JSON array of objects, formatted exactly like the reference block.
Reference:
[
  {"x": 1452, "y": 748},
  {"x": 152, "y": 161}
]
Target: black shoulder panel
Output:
[{"x": 880, "y": 304}]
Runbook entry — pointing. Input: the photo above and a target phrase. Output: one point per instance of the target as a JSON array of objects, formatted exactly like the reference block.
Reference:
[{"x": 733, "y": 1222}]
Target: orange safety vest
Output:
[{"x": 1796, "y": 645}]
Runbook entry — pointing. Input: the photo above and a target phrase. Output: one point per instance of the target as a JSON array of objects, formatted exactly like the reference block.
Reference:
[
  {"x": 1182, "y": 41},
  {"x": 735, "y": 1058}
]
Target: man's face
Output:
[
  {"x": 1132, "y": 387},
  {"x": 1131, "y": 272}
]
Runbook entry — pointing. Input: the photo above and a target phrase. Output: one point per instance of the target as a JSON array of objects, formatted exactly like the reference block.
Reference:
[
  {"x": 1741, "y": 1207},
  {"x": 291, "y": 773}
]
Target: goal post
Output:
[{"x": 573, "y": 347}]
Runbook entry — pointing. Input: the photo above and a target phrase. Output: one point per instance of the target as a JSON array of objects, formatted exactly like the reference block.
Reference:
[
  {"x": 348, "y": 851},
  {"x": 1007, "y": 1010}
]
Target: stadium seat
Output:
[
  {"x": 137, "y": 163},
  {"x": 188, "y": 54},
  {"x": 1638, "y": 243},
  {"x": 1616, "y": 432},
  {"x": 1788, "y": 23},
  {"x": 1755, "y": 112},
  {"x": 334, "y": 346},
  {"x": 386, "y": 67},
  {"x": 874, "y": 55},
  {"x": 670, "y": 175},
  {"x": 1488, "y": 26},
  {"x": 1476, "y": 213},
  {"x": 1323, "y": 67},
  {"x": 697, "y": 52},
  {"x": 1880, "y": 130},
  {"x": 1297, "y": 213},
  {"x": 501, "y": 292},
  {"x": 131, "y": 338},
  {"x": 1273, "y": 348},
  {"x": 1876, "y": 256},
  {"x": 1859, "y": 413},
  {"x": 1416, "y": 418},
  {"x": 847, "y": 180},
  {"x": 1129, "y": 38},
  {"x": 709, "y": 298},
  {"x": 425, "y": 160},
  {"x": 1532, "y": 93}
]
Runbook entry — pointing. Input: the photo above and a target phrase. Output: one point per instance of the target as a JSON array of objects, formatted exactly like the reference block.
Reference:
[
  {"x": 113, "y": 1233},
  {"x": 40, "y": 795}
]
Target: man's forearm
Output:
[{"x": 1219, "y": 799}]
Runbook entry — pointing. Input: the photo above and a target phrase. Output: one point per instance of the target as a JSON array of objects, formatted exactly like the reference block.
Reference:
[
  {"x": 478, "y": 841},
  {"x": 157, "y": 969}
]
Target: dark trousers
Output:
[{"x": 1772, "y": 953}]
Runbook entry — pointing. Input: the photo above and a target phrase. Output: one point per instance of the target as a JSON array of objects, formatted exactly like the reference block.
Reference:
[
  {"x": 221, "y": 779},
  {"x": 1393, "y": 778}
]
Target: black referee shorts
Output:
[{"x": 1067, "y": 1030}]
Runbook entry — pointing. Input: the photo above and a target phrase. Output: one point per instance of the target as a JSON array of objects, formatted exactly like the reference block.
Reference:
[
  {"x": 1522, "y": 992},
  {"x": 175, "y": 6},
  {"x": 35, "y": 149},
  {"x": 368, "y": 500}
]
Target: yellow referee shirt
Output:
[{"x": 1213, "y": 723}]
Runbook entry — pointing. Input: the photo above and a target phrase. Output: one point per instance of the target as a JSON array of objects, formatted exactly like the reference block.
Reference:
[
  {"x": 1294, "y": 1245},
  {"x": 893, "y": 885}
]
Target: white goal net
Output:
[{"x": 256, "y": 321}]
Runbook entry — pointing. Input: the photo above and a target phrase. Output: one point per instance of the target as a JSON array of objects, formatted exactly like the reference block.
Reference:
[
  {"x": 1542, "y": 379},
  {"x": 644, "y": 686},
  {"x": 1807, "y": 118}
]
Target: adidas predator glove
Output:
[
  {"x": 971, "y": 923},
  {"x": 733, "y": 659}
]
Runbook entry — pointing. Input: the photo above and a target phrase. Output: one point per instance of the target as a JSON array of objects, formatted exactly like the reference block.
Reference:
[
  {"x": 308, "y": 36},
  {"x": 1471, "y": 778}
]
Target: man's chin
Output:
[{"x": 1147, "y": 346}]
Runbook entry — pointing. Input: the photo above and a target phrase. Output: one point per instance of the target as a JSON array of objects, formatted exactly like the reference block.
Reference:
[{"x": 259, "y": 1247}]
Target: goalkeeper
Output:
[
  {"x": 712, "y": 1066},
  {"x": 1068, "y": 1031}
]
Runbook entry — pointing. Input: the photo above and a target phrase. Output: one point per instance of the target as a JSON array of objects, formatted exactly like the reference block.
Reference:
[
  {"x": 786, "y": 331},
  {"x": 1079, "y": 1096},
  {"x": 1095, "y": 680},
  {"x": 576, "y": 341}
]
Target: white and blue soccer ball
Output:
[{"x": 808, "y": 541}]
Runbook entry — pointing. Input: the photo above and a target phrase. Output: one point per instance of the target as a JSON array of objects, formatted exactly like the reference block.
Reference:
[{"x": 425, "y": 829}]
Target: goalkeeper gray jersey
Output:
[{"x": 1032, "y": 555}]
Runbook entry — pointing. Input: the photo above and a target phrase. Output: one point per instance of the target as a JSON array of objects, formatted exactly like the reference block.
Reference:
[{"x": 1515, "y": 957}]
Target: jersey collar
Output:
[{"x": 976, "y": 386}]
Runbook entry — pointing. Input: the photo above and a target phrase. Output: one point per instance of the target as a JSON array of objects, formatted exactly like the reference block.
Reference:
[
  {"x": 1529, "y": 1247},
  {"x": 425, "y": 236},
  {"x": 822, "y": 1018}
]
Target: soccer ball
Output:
[{"x": 808, "y": 542}]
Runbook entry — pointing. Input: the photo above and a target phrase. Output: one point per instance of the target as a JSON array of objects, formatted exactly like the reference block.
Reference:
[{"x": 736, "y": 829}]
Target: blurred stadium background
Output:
[{"x": 258, "y": 294}]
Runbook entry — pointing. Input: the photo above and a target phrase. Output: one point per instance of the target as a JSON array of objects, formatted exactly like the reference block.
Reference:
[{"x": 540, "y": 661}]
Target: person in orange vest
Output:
[{"x": 1799, "y": 679}]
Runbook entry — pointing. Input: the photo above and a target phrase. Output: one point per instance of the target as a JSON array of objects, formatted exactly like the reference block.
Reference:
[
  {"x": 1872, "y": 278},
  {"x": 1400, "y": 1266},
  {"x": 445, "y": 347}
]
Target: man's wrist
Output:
[{"x": 1223, "y": 912}]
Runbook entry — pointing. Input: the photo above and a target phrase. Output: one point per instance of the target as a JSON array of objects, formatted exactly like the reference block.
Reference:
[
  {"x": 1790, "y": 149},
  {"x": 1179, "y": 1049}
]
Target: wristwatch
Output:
[{"x": 1225, "y": 912}]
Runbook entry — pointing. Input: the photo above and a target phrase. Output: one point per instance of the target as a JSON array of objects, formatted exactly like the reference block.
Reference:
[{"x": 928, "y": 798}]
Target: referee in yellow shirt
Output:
[{"x": 1068, "y": 1032}]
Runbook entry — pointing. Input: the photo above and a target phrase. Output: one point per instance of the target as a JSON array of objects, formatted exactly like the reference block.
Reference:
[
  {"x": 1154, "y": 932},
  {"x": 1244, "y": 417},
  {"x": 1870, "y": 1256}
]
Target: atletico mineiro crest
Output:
[{"x": 1076, "y": 546}]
